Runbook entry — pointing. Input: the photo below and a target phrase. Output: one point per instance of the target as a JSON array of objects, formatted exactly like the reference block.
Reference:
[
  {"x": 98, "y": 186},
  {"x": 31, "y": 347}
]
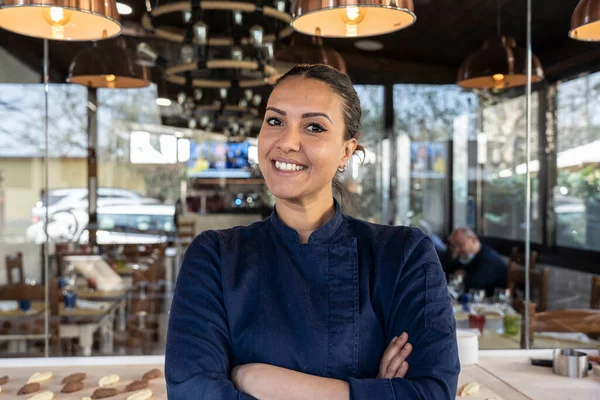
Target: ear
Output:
[{"x": 349, "y": 147}]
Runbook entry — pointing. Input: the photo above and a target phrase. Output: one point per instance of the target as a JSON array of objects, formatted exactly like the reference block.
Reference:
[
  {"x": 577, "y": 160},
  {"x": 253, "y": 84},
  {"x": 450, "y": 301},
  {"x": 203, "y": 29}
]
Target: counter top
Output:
[{"x": 503, "y": 374}]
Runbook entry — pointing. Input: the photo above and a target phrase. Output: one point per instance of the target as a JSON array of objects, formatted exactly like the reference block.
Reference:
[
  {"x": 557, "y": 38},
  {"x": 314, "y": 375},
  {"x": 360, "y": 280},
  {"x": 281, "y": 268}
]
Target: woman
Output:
[{"x": 305, "y": 303}]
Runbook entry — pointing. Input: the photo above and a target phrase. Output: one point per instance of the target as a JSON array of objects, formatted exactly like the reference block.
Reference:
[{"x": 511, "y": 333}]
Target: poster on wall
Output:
[{"x": 428, "y": 160}]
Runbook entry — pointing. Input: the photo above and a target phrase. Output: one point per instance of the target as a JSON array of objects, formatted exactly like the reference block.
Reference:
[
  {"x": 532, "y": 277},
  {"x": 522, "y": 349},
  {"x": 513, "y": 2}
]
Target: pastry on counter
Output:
[
  {"x": 76, "y": 377},
  {"x": 30, "y": 388}
]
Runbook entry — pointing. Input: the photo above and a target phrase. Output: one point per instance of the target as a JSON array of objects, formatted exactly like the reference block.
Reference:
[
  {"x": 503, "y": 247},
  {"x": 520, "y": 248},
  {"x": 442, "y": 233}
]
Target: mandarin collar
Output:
[{"x": 319, "y": 236}]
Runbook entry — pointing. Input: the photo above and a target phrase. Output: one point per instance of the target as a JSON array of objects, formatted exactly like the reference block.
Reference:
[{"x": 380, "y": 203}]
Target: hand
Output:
[{"x": 393, "y": 363}]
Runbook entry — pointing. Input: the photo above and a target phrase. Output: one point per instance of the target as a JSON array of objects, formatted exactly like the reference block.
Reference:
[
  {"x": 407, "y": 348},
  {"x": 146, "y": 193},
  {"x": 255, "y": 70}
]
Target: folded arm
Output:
[{"x": 197, "y": 357}]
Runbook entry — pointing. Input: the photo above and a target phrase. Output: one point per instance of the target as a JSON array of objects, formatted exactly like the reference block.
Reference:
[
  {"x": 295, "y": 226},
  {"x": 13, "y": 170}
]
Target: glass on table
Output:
[
  {"x": 478, "y": 295},
  {"x": 502, "y": 296}
]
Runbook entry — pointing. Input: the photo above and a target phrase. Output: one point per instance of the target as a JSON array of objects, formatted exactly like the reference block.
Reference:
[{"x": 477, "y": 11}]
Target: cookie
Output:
[
  {"x": 153, "y": 374},
  {"x": 29, "y": 388},
  {"x": 76, "y": 377},
  {"x": 109, "y": 380},
  {"x": 72, "y": 387},
  {"x": 40, "y": 377},
  {"x": 103, "y": 393},
  {"x": 141, "y": 395},
  {"x": 42, "y": 396},
  {"x": 136, "y": 385}
]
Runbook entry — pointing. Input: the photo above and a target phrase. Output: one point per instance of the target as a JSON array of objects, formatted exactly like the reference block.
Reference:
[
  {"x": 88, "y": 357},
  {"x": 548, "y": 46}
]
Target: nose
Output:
[{"x": 289, "y": 140}]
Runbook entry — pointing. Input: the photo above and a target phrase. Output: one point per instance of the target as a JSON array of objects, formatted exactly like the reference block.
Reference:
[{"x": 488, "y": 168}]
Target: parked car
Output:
[
  {"x": 77, "y": 198},
  {"x": 68, "y": 213}
]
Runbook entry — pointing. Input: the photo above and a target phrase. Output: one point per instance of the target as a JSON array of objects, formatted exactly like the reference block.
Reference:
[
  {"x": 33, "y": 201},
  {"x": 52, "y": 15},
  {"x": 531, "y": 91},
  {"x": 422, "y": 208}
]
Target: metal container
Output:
[{"x": 570, "y": 363}]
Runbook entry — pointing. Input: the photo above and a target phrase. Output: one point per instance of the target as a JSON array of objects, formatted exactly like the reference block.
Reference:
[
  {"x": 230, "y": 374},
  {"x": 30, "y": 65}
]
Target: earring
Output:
[{"x": 343, "y": 169}]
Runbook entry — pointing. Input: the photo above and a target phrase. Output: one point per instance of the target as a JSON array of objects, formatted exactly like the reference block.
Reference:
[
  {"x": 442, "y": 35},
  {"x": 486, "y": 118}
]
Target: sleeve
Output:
[
  {"x": 198, "y": 354},
  {"x": 422, "y": 307}
]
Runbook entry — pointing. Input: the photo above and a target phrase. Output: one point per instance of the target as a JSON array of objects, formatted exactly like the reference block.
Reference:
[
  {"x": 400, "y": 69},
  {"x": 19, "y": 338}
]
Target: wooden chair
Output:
[
  {"x": 186, "y": 231},
  {"x": 579, "y": 320},
  {"x": 595, "y": 294},
  {"x": 22, "y": 291},
  {"x": 12, "y": 264},
  {"x": 518, "y": 257},
  {"x": 538, "y": 279}
]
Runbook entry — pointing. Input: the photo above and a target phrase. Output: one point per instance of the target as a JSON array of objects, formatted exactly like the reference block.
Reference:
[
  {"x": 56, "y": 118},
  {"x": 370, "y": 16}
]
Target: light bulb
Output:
[
  {"x": 181, "y": 96},
  {"x": 57, "y": 18},
  {"x": 498, "y": 77},
  {"x": 110, "y": 78},
  {"x": 163, "y": 102},
  {"x": 352, "y": 16},
  {"x": 198, "y": 94}
]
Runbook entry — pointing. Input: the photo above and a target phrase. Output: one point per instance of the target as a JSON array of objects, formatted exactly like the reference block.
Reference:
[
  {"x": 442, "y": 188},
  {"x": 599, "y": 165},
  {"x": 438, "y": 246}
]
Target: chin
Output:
[{"x": 285, "y": 193}]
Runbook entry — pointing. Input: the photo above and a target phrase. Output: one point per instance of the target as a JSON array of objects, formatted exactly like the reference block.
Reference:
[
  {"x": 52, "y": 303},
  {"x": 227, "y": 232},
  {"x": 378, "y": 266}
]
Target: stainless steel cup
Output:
[{"x": 570, "y": 363}]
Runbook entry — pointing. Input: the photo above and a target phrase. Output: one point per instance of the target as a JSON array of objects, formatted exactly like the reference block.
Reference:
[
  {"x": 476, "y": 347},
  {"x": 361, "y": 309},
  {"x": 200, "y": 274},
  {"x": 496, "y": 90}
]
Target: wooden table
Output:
[{"x": 79, "y": 323}]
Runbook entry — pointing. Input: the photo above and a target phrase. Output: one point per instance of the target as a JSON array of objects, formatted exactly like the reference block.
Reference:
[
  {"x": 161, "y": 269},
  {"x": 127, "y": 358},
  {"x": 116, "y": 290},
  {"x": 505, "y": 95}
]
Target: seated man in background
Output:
[{"x": 483, "y": 267}]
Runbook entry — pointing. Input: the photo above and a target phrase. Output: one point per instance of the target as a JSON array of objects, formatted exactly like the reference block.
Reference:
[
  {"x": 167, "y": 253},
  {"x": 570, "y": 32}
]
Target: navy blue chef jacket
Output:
[{"x": 328, "y": 308}]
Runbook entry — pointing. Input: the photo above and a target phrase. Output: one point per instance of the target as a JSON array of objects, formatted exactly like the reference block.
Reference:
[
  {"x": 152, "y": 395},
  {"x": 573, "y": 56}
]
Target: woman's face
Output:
[{"x": 301, "y": 142}]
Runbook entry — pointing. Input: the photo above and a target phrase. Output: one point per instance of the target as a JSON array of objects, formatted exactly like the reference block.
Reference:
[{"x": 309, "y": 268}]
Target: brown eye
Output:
[
  {"x": 315, "y": 128},
  {"x": 272, "y": 121}
]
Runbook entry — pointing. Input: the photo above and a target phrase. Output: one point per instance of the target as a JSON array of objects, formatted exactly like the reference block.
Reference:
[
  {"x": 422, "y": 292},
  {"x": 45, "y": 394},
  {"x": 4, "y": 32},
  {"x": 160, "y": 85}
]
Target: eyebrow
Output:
[{"x": 305, "y": 115}]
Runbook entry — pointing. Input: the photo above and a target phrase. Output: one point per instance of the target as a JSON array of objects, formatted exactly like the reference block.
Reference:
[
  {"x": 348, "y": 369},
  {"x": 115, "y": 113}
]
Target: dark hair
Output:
[{"x": 341, "y": 84}]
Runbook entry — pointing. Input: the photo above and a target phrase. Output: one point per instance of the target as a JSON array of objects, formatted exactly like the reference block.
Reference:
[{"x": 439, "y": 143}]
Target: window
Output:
[
  {"x": 364, "y": 181},
  {"x": 425, "y": 118},
  {"x": 577, "y": 194},
  {"x": 502, "y": 143}
]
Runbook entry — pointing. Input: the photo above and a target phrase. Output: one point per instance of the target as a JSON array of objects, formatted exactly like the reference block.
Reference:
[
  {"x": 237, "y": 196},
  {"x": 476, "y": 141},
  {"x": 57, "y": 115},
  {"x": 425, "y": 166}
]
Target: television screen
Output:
[{"x": 219, "y": 160}]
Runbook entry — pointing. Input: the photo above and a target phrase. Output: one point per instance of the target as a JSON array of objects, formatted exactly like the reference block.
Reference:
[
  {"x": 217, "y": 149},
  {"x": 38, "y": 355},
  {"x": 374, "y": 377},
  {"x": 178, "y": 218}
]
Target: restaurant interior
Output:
[{"x": 128, "y": 128}]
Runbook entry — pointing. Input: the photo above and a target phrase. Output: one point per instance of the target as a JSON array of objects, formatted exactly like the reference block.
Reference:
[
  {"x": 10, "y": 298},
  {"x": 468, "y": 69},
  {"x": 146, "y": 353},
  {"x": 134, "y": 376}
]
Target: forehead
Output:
[
  {"x": 298, "y": 95},
  {"x": 458, "y": 237}
]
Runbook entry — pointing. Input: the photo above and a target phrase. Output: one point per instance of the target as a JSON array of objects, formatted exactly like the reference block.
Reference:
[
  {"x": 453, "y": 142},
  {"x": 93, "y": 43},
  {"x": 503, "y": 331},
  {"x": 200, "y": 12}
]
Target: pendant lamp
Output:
[
  {"x": 76, "y": 20},
  {"x": 108, "y": 65},
  {"x": 585, "y": 22},
  {"x": 499, "y": 64},
  {"x": 315, "y": 54},
  {"x": 352, "y": 18}
]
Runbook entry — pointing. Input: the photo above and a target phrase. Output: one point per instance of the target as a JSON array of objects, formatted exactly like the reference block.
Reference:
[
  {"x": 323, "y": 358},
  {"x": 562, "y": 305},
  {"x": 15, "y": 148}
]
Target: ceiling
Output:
[{"x": 430, "y": 51}]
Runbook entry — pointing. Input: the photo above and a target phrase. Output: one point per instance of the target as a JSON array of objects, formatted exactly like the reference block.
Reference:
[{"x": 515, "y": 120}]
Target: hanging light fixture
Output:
[
  {"x": 352, "y": 18},
  {"x": 499, "y": 64},
  {"x": 315, "y": 54},
  {"x": 585, "y": 22},
  {"x": 108, "y": 66},
  {"x": 76, "y": 20}
]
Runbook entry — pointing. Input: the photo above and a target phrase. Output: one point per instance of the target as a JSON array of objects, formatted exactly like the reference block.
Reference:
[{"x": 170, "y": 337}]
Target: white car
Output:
[
  {"x": 77, "y": 198},
  {"x": 68, "y": 214}
]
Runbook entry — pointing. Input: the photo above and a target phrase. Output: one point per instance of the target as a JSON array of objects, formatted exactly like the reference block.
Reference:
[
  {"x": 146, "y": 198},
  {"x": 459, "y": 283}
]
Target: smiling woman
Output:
[{"x": 311, "y": 303}]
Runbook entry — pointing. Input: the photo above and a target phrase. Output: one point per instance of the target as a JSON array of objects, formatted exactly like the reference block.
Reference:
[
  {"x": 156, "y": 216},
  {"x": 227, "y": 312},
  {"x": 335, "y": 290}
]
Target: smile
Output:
[{"x": 288, "y": 167}]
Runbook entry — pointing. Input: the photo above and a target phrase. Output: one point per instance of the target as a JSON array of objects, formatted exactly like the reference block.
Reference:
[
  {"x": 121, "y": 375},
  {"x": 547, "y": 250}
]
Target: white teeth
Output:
[{"x": 288, "y": 166}]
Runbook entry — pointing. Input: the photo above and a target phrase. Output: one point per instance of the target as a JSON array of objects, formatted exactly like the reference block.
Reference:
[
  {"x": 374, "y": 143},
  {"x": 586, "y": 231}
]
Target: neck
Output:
[{"x": 306, "y": 217}]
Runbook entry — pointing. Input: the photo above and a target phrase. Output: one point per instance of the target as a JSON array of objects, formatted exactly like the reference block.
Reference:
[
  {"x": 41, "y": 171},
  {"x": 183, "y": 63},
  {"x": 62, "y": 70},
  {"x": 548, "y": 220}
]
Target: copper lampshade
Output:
[
  {"x": 61, "y": 19},
  {"x": 315, "y": 54},
  {"x": 110, "y": 65},
  {"x": 352, "y": 18},
  {"x": 585, "y": 22},
  {"x": 499, "y": 64}
]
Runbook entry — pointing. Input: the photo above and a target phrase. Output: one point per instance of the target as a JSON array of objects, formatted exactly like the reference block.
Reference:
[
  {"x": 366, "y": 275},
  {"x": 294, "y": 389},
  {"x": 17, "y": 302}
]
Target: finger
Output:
[
  {"x": 401, "y": 373},
  {"x": 393, "y": 349},
  {"x": 395, "y": 363}
]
